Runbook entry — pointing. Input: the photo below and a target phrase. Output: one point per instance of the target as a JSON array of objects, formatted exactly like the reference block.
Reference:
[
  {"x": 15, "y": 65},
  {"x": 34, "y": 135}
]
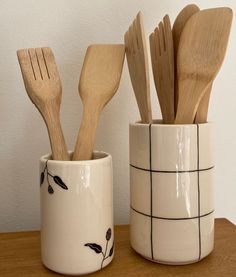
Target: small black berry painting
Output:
[
  {"x": 57, "y": 180},
  {"x": 98, "y": 248}
]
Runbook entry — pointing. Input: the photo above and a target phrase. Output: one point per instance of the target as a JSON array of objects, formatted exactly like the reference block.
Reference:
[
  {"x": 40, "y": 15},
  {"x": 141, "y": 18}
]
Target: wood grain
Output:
[{"x": 20, "y": 257}]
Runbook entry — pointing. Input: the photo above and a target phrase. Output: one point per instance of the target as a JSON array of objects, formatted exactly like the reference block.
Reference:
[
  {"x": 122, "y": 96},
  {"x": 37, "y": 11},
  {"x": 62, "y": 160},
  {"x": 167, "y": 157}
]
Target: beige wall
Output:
[{"x": 69, "y": 27}]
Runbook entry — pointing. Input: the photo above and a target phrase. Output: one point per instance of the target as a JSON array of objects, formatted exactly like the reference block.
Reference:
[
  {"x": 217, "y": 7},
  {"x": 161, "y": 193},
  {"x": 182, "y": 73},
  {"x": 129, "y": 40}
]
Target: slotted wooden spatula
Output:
[
  {"x": 136, "y": 54},
  {"x": 99, "y": 81},
  {"x": 162, "y": 54},
  {"x": 201, "y": 52},
  {"x": 43, "y": 86}
]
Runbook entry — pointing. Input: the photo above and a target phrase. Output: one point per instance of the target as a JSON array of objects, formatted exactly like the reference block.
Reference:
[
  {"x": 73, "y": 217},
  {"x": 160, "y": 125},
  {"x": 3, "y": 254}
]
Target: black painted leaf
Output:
[
  {"x": 111, "y": 250},
  {"x": 41, "y": 178},
  {"x": 108, "y": 234},
  {"x": 50, "y": 189},
  {"x": 59, "y": 182},
  {"x": 95, "y": 247}
]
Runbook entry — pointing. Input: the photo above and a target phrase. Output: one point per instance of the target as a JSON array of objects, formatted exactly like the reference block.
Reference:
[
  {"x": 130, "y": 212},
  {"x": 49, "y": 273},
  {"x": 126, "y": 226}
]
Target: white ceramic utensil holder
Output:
[
  {"x": 171, "y": 179},
  {"x": 77, "y": 234}
]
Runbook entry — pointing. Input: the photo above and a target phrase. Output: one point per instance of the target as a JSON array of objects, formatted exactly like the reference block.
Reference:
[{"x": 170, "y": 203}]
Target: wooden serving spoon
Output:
[
  {"x": 177, "y": 29},
  {"x": 43, "y": 86},
  {"x": 201, "y": 52},
  {"x": 99, "y": 81}
]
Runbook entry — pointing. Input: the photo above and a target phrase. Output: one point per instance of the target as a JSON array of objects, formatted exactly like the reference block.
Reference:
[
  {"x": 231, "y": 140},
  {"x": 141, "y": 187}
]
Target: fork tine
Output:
[
  {"x": 161, "y": 37},
  {"x": 42, "y": 64},
  {"x": 168, "y": 33},
  {"x": 153, "y": 51},
  {"x": 156, "y": 39},
  {"x": 169, "y": 45},
  {"x": 35, "y": 63},
  {"x": 50, "y": 63},
  {"x": 140, "y": 30},
  {"x": 25, "y": 64}
]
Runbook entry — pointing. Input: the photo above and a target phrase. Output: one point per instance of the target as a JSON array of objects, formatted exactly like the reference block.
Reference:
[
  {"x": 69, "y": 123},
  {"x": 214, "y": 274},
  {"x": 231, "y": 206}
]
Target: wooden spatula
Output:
[
  {"x": 177, "y": 29},
  {"x": 136, "y": 54},
  {"x": 99, "y": 81},
  {"x": 162, "y": 54},
  {"x": 201, "y": 52},
  {"x": 43, "y": 85}
]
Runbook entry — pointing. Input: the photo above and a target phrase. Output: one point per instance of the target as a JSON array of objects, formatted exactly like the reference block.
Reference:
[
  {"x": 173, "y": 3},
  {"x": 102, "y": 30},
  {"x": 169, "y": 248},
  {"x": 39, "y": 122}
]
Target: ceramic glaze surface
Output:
[
  {"x": 77, "y": 214},
  {"x": 171, "y": 183}
]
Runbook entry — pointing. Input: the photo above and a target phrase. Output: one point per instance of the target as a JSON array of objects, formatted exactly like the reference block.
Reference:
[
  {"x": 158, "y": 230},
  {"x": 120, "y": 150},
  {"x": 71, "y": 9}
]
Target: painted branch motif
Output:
[
  {"x": 98, "y": 248},
  {"x": 57, "y": 180}
]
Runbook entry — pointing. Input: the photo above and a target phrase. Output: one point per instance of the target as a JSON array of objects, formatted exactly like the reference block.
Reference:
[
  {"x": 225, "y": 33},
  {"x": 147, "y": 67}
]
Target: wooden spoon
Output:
[
  {"x": 99, "y": 81},
  {"x": 201, "y": 52},
  {"x": 43, "y": 85},
  {"x": 177, "y": 29},
  {"x": 137, "y": 59}
]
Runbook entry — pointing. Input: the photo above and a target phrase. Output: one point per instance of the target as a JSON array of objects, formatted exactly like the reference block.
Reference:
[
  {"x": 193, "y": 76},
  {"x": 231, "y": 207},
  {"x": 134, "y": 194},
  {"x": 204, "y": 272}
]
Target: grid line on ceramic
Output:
[
  {"x": 198, "y": 171},
  {"x": 172, "y": 171},
  {"x": 171, "y": 218}
]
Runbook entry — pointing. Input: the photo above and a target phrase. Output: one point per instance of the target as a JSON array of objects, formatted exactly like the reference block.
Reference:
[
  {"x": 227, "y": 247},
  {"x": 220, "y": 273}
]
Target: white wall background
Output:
[{"x": 68, "y": 27}]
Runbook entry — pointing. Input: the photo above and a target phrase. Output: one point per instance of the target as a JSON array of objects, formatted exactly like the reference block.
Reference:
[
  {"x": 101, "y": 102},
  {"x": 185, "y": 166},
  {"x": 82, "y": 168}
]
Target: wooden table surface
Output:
[{"x": 20, "y": 257}]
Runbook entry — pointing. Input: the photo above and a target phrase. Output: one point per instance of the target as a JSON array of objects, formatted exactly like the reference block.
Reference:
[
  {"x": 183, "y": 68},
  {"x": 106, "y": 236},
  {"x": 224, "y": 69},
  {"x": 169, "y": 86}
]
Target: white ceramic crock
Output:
[
  {"x": 77, "y": 214},
  {"x": 171, "y": 178}
]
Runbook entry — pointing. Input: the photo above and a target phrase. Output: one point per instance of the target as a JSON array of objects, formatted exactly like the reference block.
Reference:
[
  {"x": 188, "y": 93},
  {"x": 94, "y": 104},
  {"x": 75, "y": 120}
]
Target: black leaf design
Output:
[
  {"x": 41, "y": 178},
  {"x": 59, "y": 182},
  {"x": 50, "y": 189},
  {"x": 111, "y": 250},
  {"x": 97, "y": 248},
  {"x": 108, "y": 234}
]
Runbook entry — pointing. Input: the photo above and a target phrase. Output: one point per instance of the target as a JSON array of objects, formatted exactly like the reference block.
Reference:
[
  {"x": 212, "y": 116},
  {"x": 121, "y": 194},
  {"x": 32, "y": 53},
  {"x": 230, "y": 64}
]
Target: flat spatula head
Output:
[
  {"x": 203, "y": 42},
  {"x": 101, "y": 72}
]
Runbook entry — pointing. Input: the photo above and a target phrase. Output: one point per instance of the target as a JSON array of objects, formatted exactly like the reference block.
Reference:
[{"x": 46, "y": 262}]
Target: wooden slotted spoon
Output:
[
  {"x": 201, "y": 52},
  {"x": 99, "y": 81},
  {"x": 162, "y": 54},
  {"x": 136, "y": 54},
  {"x": 43, "y": 86}
]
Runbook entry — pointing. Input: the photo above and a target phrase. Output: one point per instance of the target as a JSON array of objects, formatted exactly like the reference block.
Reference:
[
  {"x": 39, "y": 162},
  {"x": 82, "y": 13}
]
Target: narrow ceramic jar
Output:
[
  {"x": 171, "y": 179},
  {"x": 77, "y": 214}
]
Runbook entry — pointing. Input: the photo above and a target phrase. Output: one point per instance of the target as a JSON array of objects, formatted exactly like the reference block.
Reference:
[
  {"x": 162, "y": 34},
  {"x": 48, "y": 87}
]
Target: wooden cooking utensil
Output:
[
  {"x": 162, "y": 54},
  {"x": 136, "y": 54},
  {"x": 202, "y": 110},
  {"x": 177, "y": 29},
  {"x": 43, "y": 86},
  {"x": 99, "y": 81},
  {"x": 201, "y": 52}
]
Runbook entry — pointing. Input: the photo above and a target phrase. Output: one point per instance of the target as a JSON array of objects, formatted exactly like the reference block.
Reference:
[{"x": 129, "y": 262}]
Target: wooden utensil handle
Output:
[
  {"x": 202, "y": 111},
  {"x": 86, "y": 137},
  {"x": 189, "y": 101},
  {"x": 57, "y": 141}
]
